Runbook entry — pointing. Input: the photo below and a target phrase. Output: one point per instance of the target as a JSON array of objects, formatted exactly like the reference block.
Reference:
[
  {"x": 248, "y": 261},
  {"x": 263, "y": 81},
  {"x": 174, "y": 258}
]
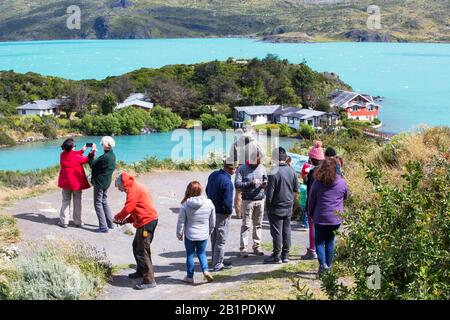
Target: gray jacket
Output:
[
  {"x": 197, "y": 219},
  {"x": 282, "y": 185},
  {"x": 245, "y": 176}
]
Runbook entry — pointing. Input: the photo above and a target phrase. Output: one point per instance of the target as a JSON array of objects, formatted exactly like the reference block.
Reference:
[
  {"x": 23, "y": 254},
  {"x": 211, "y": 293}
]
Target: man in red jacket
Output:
[
  {"x": 140, "y": 211},
  {"x": 72, "y": 180}
]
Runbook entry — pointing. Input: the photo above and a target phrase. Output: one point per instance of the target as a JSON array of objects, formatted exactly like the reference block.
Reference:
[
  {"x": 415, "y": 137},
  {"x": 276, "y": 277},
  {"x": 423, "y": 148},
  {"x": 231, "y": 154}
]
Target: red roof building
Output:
[{"x": 358, "y": 106}]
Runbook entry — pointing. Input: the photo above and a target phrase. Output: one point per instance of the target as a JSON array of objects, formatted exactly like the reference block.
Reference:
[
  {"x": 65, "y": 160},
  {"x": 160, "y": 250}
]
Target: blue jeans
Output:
[
  {"x": 304, "y": 219},
  {"x": 191, "y": 248},
  {"x": 324, "y": 240}
]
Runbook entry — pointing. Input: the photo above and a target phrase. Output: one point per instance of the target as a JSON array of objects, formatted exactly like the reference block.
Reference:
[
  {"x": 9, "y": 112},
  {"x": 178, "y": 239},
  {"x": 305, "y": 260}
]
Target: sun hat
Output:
[{"x": 316, "y": 152}]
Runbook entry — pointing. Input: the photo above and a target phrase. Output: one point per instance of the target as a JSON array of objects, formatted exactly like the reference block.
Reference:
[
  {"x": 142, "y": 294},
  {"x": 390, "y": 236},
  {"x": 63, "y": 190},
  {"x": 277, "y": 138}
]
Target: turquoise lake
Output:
[
  {"x": 129, "y": 149},
  {"x": 413, "y": 78}
]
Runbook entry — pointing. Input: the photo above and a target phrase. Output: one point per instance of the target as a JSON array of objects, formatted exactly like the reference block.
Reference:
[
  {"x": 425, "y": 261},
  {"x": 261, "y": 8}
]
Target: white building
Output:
[
  {"x": 136, "y": 100},
  {"x": 39, "y": 108},
  {"x": 291, "y": 116},
  {"x": 253, "y": 115}
]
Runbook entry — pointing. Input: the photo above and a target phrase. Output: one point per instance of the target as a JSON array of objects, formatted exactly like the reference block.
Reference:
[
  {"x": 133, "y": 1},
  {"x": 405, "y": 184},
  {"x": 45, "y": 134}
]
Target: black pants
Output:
[
  {"x": 280, "y": 229},
  {"x": 142, "y": 252}
]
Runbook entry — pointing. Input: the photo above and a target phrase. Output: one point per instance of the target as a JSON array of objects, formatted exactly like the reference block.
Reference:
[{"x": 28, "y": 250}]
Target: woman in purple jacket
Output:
[{"x": 326, "y": 199}]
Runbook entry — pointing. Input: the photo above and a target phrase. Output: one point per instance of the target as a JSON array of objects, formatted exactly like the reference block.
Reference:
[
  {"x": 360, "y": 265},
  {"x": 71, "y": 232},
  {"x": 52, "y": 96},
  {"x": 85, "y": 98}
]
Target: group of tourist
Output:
[{"x": 203, "y": 217}]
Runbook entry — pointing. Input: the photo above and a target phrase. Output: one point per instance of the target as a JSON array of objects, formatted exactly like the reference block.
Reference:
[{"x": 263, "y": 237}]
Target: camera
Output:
[{"x": 89, "y": 144}]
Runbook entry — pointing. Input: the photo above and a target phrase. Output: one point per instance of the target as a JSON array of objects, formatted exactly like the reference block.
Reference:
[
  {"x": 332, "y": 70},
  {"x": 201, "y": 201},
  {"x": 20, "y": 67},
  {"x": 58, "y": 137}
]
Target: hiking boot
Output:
[
  {"x": 62, "y": 225},
  {"x": 310, "y": 255},
  {"x": 258, "y": 252},
  {"x": 272, "y": 260},
  {"x": 144, "y": 286},
  {"x": 188, "y": 280},
  {"x": 208, "y": 276},
  {"x": 243, "y": 254}
]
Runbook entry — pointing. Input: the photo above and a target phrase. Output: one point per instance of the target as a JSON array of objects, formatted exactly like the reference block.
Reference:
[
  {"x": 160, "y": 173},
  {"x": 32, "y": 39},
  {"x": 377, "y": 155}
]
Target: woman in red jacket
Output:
[{"x": 73, "y": 181}]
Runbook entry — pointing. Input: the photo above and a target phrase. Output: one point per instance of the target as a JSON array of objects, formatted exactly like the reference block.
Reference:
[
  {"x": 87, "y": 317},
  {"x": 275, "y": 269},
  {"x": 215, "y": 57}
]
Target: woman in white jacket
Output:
[{"x": 196, "y": 221}]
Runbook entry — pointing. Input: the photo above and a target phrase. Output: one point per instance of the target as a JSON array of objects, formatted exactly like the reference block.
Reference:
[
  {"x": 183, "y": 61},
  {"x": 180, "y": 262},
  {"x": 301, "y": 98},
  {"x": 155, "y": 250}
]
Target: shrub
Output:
[
  {"x": 108, "y": 103},
  {"x": 405, "y": 233},
  {"x": 285, "y": 130},
  {"x": 60, "y": 271},
  {"x": 164, "y": 120},
  {"x": 376, "y": 121},
  {"x": 218, "y": 121},
  {"x": 5, "y": 139},
  {"x": 306, "y": 131}
]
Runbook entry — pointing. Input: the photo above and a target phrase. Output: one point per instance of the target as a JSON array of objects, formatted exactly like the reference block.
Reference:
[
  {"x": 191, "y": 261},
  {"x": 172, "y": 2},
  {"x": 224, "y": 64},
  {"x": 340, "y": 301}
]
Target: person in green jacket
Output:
[{"x": 102, "y": 171}]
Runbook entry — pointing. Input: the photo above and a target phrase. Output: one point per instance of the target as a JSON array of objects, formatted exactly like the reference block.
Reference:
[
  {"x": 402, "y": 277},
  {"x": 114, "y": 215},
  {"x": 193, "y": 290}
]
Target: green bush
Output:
[
  {"x": 164, "y": 120},
  {"x": 218, "y": 121},
  {"x": 5, "y": 139},
  {"x": 405, "y": 233},
  {"x": 60, "y": 271},
  {"x": 306, "y": 131},
  {"x": 376, "y": 121}
]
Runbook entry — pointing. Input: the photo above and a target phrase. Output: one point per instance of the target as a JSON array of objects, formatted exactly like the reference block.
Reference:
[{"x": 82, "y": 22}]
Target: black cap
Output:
[{"x": 330, "y": 152}]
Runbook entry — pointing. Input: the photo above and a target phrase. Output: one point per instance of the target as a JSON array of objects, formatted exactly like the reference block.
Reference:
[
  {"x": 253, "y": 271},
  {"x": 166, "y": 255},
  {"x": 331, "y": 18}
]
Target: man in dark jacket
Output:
[
  {"x": 102, "y": 171},
  {"x": 220, "y": 190},
  {"x": 280, "y": 199}
]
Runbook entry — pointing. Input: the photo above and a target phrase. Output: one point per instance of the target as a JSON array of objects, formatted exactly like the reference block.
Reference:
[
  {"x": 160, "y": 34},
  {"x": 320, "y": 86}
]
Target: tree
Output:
[
  {"x": 122, "y": 87},
  {"x": 171, "y": 93},
  {"x": 323, "y": 105},
  {"x": 75, "y": 99},
  {"x": 108, "y": 103},
  {"x": 303, "y": 80}
]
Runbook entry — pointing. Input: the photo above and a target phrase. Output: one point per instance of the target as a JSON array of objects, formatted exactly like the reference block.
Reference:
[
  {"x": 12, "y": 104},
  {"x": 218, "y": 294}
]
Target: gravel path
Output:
[{"x": 37, "y": 218}]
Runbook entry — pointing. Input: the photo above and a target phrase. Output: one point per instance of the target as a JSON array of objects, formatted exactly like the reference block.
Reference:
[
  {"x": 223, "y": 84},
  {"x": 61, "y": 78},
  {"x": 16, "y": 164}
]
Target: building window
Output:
[
  {"x": 291, "y": 120},
  {"x": 24, "y": 112}
]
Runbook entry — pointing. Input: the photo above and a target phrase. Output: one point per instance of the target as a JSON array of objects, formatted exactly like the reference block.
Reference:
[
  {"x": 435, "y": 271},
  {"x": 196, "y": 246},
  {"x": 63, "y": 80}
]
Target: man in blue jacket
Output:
[{"x": 220, "y": 190}]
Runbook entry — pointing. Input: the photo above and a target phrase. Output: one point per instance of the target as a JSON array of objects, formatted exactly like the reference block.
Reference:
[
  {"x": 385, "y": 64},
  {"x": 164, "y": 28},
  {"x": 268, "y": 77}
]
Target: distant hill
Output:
[{"x": 272, "y": 20}]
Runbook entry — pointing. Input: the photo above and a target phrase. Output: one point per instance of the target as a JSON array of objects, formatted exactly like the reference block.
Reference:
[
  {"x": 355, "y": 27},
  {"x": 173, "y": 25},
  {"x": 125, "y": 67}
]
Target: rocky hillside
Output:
[{"x": 273, "y": 20}]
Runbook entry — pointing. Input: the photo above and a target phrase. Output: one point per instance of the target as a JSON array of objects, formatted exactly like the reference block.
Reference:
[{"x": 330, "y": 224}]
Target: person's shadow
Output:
[{"x": 40, "y": 218}]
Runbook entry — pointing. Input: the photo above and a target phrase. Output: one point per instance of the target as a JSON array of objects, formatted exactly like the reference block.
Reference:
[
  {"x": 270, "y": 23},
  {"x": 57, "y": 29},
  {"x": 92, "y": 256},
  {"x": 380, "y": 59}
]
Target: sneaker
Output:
[
  {"x": 227, "y": 263},
  {"x": 135, "y": 275},
  {"x": 310, "y": 255},
  {"x": 144, "y": 286},
  {"x": 285, "y": 260},
  {"x": 79, "y": 225},
  {"x": 188, "y": 280},
  {"x": 111, "y": 227},
  {"x": 272, "y": 260},
  {"x": 323, "y": 268},
  {"x": 223, "y": 267},
  {"x": 243, "y": 254},
  {"x": 62, "y": 225},
  {"x": 101, "y": 230},
  {"x": 208, "y": 276},
  {"x": 258, "y": 252}
]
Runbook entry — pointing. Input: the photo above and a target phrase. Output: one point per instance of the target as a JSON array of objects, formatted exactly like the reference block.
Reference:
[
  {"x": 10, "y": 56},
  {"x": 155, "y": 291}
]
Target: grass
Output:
[
  {"x": 279, "y": 284},
  {"x": 9, "y": 232},
  {"x": 121, "y": 267}
]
